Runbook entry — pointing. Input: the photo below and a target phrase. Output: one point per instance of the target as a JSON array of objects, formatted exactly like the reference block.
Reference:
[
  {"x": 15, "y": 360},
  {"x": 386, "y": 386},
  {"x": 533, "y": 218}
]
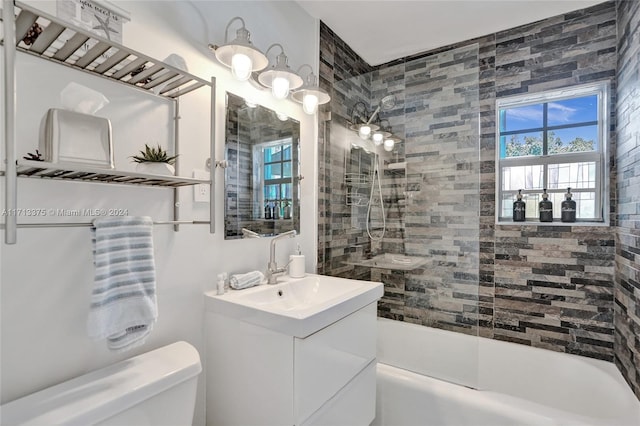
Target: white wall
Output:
[{"x": 45, "y": 279}]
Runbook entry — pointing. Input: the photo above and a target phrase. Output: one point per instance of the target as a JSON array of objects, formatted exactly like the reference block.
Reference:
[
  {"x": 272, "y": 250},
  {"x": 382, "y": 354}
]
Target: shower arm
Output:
[{"x": 373, "y": 115}]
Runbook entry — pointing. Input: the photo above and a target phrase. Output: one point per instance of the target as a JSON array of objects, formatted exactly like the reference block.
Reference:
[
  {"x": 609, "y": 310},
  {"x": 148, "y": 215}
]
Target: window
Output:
[
  {"x": 554, "y": 140},
  {"x": 273, "y": 165}
]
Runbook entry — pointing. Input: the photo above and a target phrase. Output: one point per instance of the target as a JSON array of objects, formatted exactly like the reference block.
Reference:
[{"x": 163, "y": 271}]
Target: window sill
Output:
[{"x": 554, "y": 223}]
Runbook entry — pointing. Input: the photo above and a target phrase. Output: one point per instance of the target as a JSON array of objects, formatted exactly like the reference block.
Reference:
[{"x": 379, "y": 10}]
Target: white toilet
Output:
[{"x": 155, "y": 388}]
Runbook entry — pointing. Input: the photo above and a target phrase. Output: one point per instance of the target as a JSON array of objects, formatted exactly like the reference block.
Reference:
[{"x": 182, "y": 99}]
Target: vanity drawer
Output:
[
  {"x": 327, "y": 360},
  {"x": 354, "y": 405}
]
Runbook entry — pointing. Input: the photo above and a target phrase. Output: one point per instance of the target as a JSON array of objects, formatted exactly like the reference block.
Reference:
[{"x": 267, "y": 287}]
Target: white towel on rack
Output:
[{"x": 123, "y": 301}]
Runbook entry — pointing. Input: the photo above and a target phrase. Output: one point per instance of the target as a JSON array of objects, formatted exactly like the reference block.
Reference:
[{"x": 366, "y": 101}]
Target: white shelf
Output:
[
  {"x": 44, "y": 170},
  {"x": 65, "y": 43},
  {"x": 78, "y": 49}
]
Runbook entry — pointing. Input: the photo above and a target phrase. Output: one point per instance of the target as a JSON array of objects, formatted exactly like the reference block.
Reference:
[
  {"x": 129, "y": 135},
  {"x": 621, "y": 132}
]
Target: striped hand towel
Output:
[
  {"x": 123, "y": 301},
  {"x": 250, "y": 279}
]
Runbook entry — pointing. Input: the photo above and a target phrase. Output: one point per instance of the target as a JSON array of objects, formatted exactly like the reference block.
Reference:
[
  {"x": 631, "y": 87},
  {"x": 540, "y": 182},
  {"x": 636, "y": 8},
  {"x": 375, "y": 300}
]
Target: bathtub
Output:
[{"x": 427, "y": 376}]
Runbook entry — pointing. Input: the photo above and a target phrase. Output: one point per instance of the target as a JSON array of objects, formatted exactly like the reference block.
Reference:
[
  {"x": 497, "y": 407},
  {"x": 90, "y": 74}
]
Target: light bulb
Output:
[
  {"x": 241, "y": 66},
  {"x": 281, "y": 116},
  {"x": 280, "y": 87},
  {"x": 377, "y": 138},
  {"x": 388, "y": 144},
  {"x": 310, "y": 103},
  {"x": 364, "y": 131}
]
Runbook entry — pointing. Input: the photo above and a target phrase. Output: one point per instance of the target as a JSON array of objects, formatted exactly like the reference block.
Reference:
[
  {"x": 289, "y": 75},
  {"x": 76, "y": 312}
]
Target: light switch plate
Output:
[{"x": 201, "y": 191}]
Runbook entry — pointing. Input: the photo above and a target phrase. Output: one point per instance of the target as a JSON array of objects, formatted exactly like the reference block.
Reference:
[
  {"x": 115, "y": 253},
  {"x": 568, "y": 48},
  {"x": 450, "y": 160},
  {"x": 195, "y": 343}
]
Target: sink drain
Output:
[{"x": 280, "y": 293}]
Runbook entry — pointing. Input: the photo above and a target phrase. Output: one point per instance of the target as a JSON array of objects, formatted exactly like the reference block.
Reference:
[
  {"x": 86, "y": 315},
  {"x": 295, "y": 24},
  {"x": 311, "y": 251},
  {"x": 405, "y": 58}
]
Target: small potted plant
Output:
[{"x": 154, "y": 161}]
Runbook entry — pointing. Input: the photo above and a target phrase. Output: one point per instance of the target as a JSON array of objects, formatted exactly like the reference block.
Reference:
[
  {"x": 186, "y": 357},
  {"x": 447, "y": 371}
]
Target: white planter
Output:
[{"x": 163, "y": 169}]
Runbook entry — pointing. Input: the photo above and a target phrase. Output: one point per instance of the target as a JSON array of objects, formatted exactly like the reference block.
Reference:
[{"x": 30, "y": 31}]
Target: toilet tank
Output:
[{"x": 155, "y": 388}]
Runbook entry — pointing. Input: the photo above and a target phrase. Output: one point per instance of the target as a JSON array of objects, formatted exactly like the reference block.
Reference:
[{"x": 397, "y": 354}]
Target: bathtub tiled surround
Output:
[
  {"x": 553, "y": 288},
  {"x": 550, "y": 287},
  {"x": 546, "y": 286},
  {"x": 627, "y": 286}
]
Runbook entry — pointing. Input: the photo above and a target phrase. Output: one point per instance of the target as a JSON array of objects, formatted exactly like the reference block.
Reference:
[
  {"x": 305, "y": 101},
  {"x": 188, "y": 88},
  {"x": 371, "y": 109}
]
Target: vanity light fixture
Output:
[
  {"x": 245, "y": 59},
  {"x": 310, "y": 95},
  {"x": 377, "y": 138},
  {"x": 390, "y": 143},
  {"x": 381, "y": 134},
  {"x": 240, "y": 54},
  {"x": 360, "y": 123},
  {"x": 280, "y": 77}
]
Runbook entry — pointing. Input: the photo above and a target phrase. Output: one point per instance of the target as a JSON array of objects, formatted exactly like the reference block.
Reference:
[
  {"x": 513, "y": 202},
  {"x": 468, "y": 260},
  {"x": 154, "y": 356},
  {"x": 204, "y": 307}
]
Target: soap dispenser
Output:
[
  {"x": 519, "y": 208},
  {"x": 296, "y": 264},
  {"x": 545, "y": 208},
  {"x": 568, "y": 208}
]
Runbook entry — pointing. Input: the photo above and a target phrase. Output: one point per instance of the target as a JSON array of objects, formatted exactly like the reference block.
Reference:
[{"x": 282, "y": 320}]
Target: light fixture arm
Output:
[
  {"x": 359, "y": 111},
  {"x": 226, "y": 30},
  {"x": 311, "y": 79},
  {"x": 386, "y": 128},
  {"x": 272, "y": 46},
  {"x": 308, "y": 66}
]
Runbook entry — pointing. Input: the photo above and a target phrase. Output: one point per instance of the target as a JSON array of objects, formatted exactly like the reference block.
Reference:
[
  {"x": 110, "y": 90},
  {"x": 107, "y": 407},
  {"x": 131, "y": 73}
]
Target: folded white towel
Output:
[
  {"x": 250, "y": 279},
  {"x": 123, "y": 301}
]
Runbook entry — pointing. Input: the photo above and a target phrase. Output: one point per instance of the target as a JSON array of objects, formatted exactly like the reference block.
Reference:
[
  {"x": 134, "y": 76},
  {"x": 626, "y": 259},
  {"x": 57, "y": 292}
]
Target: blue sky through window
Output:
[
  {"x": 560, "y": 113},
  {"x": 565, "y": 123}
]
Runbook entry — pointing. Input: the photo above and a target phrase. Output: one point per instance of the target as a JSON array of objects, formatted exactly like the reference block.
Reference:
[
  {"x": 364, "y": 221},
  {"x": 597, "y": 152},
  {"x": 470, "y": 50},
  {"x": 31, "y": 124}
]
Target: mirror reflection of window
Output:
[
  {"x": 262, "y": 191},
  {"x": 274, "y": 166}
]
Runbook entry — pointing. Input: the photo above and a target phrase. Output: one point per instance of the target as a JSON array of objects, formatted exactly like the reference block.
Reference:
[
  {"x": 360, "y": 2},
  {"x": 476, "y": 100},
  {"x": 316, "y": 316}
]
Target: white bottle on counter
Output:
[
  {"x": 220, "y": 284},
  {"x": 296, "y": 264}
]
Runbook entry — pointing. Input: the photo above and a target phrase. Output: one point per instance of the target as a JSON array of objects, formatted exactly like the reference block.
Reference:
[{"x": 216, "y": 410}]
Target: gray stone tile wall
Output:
[
  {"x": 346, "y": 77},
  {"x": 546, "y": 286},
  {"x": 441, "y": 216},
  {"x": 627, "y": 287}
]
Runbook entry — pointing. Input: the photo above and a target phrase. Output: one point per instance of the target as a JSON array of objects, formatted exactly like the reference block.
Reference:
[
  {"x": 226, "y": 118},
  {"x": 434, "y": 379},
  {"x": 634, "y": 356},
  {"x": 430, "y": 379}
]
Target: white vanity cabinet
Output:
[{"x": 258, "y": 376}]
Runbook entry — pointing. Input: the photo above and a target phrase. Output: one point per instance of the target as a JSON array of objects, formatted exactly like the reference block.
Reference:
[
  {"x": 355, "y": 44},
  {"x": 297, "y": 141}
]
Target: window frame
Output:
[
  {"x": 599, "y": 156},
  {"x": 259, "y": 167}
]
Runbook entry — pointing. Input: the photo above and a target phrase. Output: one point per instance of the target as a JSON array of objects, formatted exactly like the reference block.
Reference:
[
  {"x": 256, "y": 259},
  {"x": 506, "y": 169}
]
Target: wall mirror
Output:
[{"x": 262, "y": 178}]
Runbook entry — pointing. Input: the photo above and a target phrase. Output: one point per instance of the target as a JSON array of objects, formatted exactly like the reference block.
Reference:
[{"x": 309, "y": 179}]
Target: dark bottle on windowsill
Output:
[
  {"x": 267, "y": 211},
  {"x": 519, "y": 208},
  {"x": 545, "y": 208},
  {"x": 568, "y": 208}
]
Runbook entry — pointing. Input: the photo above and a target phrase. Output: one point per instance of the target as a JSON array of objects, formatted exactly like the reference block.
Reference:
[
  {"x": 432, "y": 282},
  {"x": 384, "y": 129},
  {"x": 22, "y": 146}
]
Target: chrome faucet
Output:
[{"x": 272, "y": 268}]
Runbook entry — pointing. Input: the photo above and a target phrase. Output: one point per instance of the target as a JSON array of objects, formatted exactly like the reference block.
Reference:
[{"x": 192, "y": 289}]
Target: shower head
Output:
[
  {"x": 385, "y": 104},
  {"x": 388, "y": 102}
]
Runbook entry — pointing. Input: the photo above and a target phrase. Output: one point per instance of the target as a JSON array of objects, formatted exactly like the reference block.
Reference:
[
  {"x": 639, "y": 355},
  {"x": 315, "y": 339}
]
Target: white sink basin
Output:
[{"x": 296, "y": 306}]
